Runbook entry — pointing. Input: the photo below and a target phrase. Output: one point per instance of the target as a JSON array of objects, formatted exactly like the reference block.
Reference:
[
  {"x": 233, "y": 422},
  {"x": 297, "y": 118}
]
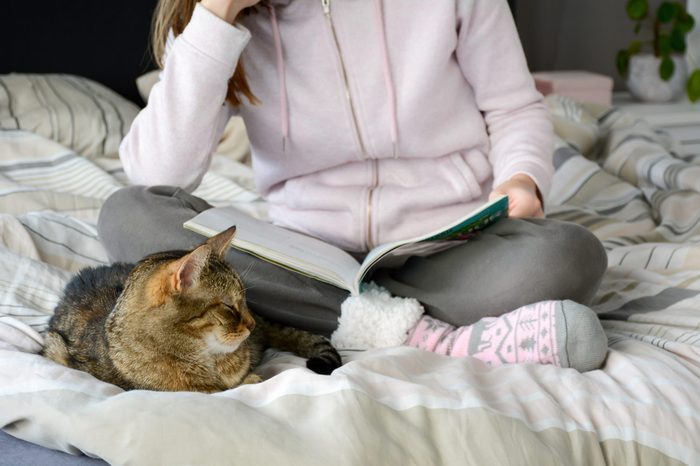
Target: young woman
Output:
[{"x": 370, "y": 121}]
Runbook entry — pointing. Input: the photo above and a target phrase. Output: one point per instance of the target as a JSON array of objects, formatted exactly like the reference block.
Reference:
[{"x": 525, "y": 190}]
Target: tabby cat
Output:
[{"x": 176, "y": 320}]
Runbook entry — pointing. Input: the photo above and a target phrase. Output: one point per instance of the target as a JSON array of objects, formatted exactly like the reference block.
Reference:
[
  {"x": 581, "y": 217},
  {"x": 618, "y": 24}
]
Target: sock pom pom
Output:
[{"x": 375, "y": 319}]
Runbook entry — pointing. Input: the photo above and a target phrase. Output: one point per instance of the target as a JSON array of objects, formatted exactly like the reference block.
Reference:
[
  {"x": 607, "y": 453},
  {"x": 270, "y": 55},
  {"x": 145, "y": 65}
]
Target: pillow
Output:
[
  {"x": 145, "y": 83},
  {"x": 74, "y": 111}
]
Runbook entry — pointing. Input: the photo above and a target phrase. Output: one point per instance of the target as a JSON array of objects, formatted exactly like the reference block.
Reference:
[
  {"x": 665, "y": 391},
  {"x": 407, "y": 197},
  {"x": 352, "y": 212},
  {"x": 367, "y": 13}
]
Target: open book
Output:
[{"x": 325, "y": 262}]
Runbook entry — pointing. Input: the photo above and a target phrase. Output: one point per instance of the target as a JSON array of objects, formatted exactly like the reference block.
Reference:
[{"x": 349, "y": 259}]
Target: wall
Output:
[
  {"x": 694, "y": 36},
  {"x": 103, "y": 40},
  {"x": 574, "y": 34}
]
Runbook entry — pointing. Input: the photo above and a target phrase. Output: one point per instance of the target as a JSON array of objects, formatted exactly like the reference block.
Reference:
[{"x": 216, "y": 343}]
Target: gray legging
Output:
[{"x": 512, "y": 263}]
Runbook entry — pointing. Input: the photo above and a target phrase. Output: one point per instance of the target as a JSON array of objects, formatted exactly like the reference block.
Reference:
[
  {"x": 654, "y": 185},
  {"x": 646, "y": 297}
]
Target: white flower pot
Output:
[{"x": 644, "y": 82}]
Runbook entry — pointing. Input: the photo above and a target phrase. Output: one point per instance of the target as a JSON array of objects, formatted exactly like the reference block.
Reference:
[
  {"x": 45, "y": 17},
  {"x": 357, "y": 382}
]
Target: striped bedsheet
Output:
[{"x": 615, "y": 175}]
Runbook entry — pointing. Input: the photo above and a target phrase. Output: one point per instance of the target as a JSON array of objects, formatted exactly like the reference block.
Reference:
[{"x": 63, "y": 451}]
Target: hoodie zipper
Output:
[
  {"x": 370, "y": 194},
  {"x": 327, "y": 12}
]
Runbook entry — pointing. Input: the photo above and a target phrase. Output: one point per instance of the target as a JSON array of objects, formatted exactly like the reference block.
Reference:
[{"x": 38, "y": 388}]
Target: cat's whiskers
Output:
[
  {"x": 248, "y": 287},
  {"x": 247, "y": 270}
]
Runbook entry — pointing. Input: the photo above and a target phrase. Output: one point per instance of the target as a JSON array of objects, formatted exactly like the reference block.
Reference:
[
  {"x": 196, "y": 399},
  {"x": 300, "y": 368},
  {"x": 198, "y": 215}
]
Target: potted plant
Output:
[{"x": 654, "y": 64}]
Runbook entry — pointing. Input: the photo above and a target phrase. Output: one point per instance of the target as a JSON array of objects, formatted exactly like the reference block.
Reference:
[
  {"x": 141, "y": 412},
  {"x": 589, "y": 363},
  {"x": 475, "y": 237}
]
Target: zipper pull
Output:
[{"x": 326, "y": 7}]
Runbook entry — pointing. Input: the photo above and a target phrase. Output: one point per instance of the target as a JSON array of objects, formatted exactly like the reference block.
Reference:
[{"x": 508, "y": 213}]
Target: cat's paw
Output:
[
  {"x": 323, "y": 365},
  {"x": 252, "y": 378}
]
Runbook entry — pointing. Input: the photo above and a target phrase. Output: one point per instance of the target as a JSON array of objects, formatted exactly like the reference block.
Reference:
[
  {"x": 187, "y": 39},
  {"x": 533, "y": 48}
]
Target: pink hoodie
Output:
[{"x": 380, "y": 119}]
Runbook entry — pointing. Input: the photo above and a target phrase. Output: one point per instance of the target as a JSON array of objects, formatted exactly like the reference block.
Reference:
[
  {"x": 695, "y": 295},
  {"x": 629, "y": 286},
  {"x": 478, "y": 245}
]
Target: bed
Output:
[{"x": 615, "y": 175}]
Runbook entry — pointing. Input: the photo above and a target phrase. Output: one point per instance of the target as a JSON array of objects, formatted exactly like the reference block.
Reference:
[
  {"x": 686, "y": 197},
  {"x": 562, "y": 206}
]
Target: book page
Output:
[
  {"x": 394, "y": 254},
  {"x": 280, "y": 246}
]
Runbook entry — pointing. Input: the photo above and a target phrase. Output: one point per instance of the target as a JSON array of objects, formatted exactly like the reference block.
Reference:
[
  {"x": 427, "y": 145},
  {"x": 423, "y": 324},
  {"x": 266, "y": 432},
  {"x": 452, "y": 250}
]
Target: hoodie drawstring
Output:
[
  {"x": 388, "y": 80},
  {"x": 284, "y": 110}
]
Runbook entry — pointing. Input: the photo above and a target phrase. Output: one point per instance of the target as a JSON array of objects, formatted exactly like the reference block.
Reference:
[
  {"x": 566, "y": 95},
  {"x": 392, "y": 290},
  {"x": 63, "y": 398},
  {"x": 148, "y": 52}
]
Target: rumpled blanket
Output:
[{"x": 615, "y": 175}]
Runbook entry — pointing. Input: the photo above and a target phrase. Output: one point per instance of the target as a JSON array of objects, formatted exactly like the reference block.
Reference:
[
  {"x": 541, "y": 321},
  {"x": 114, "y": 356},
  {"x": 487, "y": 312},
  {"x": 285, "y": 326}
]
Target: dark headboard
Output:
[{"x": 105, "y": 40}]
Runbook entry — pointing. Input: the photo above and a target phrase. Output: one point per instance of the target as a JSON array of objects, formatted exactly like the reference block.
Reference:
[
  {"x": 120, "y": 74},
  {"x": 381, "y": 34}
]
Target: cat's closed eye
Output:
[{"x": 201, "y": 318}]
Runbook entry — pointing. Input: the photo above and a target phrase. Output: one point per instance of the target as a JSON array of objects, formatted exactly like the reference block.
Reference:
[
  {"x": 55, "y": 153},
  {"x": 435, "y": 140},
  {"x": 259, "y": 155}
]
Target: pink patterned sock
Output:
[{"x": 562, "y": 333}]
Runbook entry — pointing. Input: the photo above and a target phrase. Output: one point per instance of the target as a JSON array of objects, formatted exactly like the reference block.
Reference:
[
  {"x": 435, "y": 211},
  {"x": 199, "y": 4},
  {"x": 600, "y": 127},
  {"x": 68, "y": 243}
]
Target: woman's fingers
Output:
[
  {"x": 227, "y": 9},
  {"x": 524, "y": 205},
  {"x": 523, "y": 201}
]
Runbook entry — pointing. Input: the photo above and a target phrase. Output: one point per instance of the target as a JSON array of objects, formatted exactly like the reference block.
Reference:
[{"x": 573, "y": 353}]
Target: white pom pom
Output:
[{"x": 375, "y": 319}]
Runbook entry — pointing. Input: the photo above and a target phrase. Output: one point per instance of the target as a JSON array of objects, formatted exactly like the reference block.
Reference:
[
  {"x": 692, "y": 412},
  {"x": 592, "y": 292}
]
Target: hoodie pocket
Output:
[
  {"x": 307, "y": 193},
  {"x": 467, "y": 173},
  {"x": 329, "y": 213}
]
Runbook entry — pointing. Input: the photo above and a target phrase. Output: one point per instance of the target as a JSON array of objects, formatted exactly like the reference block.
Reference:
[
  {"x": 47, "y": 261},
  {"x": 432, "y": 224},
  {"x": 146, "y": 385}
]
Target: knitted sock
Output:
[{"x": 562, "y": 333}]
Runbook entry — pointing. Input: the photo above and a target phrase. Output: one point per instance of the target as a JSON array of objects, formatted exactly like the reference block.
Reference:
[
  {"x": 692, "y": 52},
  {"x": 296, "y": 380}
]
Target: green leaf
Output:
[
  {"x": 622, "y": 61},
  {"x": 666, "y": 12},
  {"x": 666, "y": 68},
  {"x": 680, "y": 6},
  {"x": 677, "y": 40},
  {"x": 637, "y": 9},
  {"x": 693, "y": 86},
  {"x": 637, "y": 28},
  {"x": 664, "y": 45},
  {"x": 685, "y": 22},
  {"x": 635, "y": 47}
]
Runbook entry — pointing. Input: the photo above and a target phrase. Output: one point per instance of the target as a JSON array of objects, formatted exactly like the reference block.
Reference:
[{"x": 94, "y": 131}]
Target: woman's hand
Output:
[
  {"x": 522, "y": 197},
  {"x": 227, "y": 9}
]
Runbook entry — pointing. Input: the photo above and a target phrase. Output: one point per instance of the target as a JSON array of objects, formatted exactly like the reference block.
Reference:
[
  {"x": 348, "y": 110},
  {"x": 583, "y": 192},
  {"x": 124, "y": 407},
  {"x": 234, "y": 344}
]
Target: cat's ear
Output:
[
  {"x": 187, "y": 270},
  {"x": 221, "y": 243}
]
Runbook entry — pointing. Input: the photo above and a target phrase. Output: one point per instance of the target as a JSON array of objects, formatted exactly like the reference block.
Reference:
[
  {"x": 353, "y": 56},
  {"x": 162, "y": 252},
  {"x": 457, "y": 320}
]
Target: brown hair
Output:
[{"x": 174, "y": 15}]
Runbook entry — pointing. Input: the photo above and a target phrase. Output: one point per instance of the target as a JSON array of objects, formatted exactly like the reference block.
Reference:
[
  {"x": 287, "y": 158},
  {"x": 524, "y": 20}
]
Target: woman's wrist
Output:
[
  {"x": 225, "y": 9},
  {"x": 526, "y": 179}
]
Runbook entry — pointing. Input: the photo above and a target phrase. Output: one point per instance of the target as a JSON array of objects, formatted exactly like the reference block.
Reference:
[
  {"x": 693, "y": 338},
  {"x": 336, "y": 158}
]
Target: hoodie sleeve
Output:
[
  {"x": 493, "y": 62},
  {"x": 172, "y": 139}
]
